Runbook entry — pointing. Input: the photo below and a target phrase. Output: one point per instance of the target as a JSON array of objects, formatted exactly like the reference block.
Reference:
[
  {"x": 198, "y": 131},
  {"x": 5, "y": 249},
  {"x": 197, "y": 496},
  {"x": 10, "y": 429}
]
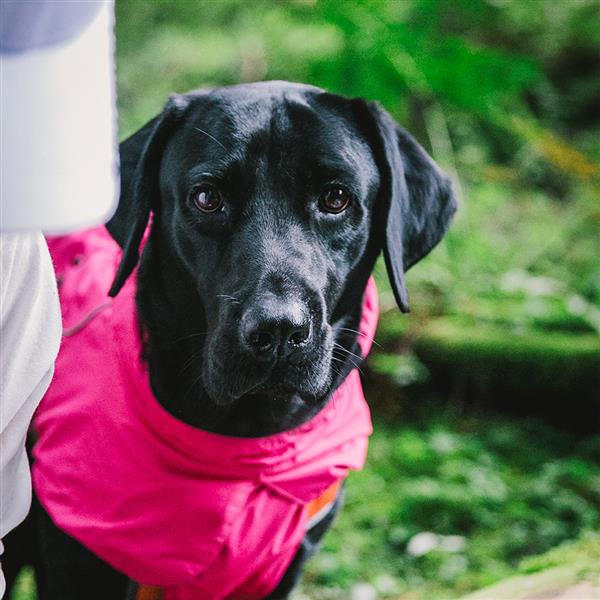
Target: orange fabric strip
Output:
[
  {"x": 327, "y": 497},
  {"x": 149, "y": 592}
]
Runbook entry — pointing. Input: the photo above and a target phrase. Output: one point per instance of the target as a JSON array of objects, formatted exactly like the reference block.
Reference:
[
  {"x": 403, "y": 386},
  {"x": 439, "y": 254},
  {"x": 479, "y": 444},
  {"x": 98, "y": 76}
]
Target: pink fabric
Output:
[{"x": 200, "y": 514}]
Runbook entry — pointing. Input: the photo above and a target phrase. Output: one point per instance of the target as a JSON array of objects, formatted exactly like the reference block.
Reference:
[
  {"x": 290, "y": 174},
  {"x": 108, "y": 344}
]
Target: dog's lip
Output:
[
  {"x": 271, "y": 387},
  {"x": 268, "y": 386},
  {"x": 245, "y": 390},
  {"x": 228, "y": 384}
]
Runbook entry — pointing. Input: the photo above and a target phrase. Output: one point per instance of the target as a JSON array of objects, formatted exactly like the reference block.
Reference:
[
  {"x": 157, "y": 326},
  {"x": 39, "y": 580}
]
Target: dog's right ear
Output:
[{"x": 140, "y": 157}]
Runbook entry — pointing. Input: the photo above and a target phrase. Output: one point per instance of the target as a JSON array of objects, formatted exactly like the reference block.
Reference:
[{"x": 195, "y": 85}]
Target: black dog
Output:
[{"x": 270, "y": 204}]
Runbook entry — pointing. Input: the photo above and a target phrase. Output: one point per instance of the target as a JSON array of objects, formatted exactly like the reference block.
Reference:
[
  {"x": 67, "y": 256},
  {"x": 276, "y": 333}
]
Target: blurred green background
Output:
[
  {"x": 486, "y": 398},
  {"x": 505, "y": 95}
]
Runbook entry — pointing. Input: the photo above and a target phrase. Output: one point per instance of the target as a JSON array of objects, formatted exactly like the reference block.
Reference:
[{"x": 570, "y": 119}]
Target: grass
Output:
[
  {"x": 25, "y": 586},
  {"x": 504, "y": 490},
  {"x": 572, "y": 566}
]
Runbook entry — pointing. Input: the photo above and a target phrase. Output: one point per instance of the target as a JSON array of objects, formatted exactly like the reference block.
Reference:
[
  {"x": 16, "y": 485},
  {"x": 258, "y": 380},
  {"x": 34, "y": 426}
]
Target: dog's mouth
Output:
[
  {"x": 280, "y": 388},
  {"x": 277, "y": 387},
  {"x": 231, "y": 381}
]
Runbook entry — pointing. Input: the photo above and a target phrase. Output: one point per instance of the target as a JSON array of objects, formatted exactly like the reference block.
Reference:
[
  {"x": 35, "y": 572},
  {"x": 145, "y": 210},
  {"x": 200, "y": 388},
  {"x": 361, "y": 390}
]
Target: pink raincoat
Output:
[{"x": 199, "y": 514}]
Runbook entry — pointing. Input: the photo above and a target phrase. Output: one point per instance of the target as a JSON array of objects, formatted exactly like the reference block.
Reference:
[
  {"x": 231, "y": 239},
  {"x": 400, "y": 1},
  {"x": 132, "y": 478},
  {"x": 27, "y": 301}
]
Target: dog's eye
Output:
[
  {"x": 334, "y": 200},
  {"x": 207, "y": 198}
]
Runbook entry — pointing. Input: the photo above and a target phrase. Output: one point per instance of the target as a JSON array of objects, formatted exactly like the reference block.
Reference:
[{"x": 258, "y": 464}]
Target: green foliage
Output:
[
  {"x": 510, "y": 489},
  {"x": 25, "y": 586},
  {"x": 404, "y": 368},
  {"x": 512, "y": 244},
  {"x": 571, "y": 566},
  {"x": 491, "y": 88},
  {"x": 490, "y": 343},
  {"x": 474, "y": 61},
  {"x": 585, "y": 552}
]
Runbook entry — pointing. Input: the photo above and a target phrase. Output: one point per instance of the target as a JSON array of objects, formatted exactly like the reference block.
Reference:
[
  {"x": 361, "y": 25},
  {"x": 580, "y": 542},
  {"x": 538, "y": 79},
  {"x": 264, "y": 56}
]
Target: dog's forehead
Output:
[
  {"x": 253, "y": 109},
  {"x": 290, "y": 117}
]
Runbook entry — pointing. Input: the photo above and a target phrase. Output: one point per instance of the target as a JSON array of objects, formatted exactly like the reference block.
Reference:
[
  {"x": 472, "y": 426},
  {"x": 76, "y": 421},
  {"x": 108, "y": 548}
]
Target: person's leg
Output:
[{"x": 30, "y": 331}]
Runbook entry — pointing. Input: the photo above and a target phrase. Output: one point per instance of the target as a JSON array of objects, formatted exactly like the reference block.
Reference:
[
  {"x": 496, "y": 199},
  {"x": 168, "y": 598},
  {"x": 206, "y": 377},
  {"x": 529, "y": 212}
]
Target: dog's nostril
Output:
[
  {"x": 274, "y": 329},
  {"x": 298, "y": 337},
  {"x": 261, "y": 340}
]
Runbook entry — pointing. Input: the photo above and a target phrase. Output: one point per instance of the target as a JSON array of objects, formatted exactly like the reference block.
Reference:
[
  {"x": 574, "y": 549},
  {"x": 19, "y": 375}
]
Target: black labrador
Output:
[{"x": 270, "y": 203}]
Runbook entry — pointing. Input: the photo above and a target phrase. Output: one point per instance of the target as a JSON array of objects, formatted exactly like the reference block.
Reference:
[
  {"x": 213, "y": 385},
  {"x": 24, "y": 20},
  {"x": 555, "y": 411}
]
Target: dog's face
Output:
[
  {"x": 274, "y": 200},
  {"x": 267, "y": 198}
]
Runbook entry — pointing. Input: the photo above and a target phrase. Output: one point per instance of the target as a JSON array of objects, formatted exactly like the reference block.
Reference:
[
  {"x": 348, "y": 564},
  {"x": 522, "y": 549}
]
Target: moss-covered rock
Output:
[
  {"x": 567, "y": 572},
  {"x": 551, "y": 373}
]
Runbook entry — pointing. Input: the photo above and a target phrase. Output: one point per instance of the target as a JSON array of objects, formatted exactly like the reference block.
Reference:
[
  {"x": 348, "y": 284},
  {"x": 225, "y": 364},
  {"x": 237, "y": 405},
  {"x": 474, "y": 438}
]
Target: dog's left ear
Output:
[
  {"x": 416, "y": 197},
  {"x": 140, "y": 157}
]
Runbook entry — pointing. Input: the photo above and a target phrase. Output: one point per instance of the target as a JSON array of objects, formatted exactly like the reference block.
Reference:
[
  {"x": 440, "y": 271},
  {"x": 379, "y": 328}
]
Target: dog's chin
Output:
[{"x": 277, "y": 387}]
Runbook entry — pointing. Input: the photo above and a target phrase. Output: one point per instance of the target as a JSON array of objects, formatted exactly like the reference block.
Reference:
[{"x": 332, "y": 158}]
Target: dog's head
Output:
[{"x": 271, "y": 202}]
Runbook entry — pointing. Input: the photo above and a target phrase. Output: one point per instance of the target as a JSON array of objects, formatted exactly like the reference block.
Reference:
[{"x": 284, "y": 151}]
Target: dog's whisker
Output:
[
  {"x": 334, "y": 368},
  {"x": 192, "y": 385},
  {"x": 361, "y": 333},
  {"x": 351, "y": 354},
  {"x": 348, "y": 355},
  {"x": 348, "y": 352},
  {"x": 356, "y": 366},
  {"x": 227, "y": 297},
  {"x": 187, "y": 337},
  {"x": 212, "y": 137},
  {"x": 190, "y": 361},
  {"x": 338, "y": 360},
  {"x": 336, "y": 371}
]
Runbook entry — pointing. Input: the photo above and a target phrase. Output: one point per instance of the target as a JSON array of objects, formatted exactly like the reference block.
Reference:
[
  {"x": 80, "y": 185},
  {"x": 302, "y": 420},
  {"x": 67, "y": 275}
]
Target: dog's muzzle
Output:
[{"x": 275, "y": 329}]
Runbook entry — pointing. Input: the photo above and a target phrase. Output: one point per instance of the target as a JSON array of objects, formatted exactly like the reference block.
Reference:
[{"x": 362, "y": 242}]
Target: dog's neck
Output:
[{"x": 174, "y": 340}]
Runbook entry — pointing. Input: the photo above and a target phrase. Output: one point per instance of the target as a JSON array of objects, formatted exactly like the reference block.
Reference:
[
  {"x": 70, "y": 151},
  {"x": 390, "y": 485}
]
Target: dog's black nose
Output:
[{"x": 275, "y": 328}]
